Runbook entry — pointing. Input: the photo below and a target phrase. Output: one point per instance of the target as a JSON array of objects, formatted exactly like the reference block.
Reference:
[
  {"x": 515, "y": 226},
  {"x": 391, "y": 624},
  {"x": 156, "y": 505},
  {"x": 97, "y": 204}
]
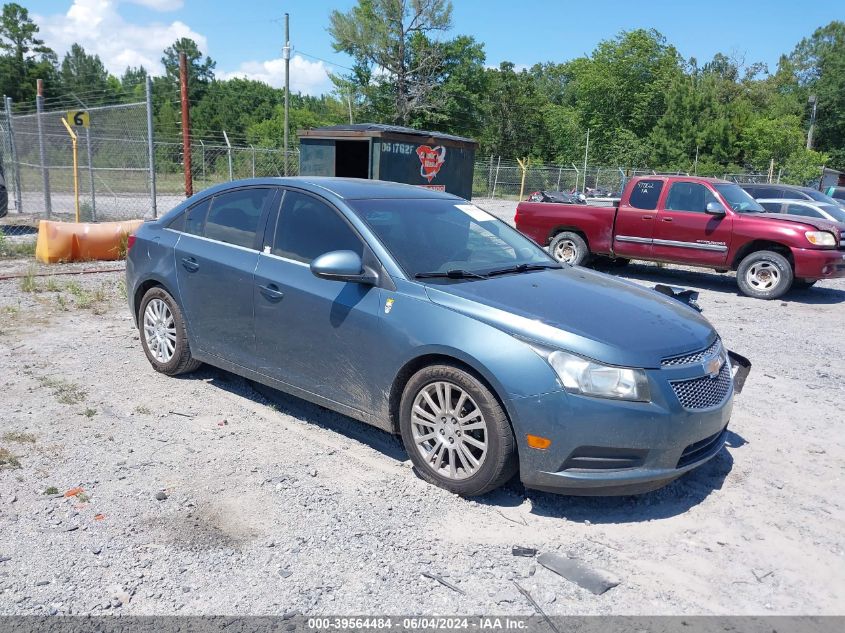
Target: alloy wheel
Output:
[
  {"x": 449, "y": 430},
  {"x": 160, "y": 330},
  {"x": 763, "y": 275},
  {"x": 566, "y": 251}
]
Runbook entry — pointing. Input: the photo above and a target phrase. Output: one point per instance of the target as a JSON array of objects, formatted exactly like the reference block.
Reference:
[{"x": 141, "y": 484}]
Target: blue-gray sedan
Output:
[{"x": 420, "y": 313}]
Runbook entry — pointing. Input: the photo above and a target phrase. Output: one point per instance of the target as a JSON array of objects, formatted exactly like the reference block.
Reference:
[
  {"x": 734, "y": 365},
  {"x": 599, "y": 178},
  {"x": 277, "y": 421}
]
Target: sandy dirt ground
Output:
[{"x": 200, "y": 496}]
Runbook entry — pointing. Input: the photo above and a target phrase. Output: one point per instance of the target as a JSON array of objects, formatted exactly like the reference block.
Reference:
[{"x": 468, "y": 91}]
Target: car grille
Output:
[
  {"x": 697, "y": 450},
  {"x": 692, "y": 357},
  {"x": 704, "y": 392}
]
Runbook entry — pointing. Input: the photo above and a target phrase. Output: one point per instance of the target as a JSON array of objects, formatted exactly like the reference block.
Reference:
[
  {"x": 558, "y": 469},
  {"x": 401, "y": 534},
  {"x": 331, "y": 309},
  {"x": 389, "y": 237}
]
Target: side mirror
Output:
[
  {"x": 342, "y": 266},
  {"x": 715, "y": 208}
]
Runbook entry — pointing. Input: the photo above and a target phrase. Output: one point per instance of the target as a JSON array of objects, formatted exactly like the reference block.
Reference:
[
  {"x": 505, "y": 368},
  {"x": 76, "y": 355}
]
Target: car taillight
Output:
[{"x": 130, "y": 241}]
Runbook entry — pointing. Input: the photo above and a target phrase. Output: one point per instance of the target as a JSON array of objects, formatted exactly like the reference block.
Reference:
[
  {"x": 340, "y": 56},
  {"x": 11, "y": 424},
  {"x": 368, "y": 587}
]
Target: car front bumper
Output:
[
  {"x": 818, "y": 263},
  {"x": 607, "y": 447}
]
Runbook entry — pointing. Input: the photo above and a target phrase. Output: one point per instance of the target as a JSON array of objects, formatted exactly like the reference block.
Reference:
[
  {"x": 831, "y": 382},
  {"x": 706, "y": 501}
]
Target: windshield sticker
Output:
[{"x": 479, "y": 215}]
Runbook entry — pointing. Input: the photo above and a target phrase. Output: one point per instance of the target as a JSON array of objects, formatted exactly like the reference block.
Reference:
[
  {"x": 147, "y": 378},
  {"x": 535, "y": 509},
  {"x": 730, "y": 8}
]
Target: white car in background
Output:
[{"x": 807, "y": 208}]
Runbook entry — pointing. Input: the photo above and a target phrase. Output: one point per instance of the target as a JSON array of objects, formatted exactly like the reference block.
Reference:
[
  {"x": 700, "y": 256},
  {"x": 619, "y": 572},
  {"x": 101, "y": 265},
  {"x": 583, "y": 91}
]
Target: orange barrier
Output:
[{"x": 69, "y": 242}]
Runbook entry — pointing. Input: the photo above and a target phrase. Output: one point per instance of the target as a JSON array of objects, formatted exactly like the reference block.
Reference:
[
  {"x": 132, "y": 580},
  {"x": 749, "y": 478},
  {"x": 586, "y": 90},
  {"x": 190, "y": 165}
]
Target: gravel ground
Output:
[{"x": 199, "y": 496}]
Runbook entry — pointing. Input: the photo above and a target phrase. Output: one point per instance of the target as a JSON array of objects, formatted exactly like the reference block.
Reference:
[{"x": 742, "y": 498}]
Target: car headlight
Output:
[
  {"x": 579, "y": 375},
  {"x": 820, "y": 238}
]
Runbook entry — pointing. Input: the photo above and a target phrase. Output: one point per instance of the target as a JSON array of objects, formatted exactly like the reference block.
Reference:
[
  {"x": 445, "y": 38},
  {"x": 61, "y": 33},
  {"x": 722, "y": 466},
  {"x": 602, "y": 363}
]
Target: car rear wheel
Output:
[
  {"x": 456, "y": 432},
  {"x": 163, "y": 334},
  {"x": 569, "y": 248},
  {"x": 764, "y": 275}
]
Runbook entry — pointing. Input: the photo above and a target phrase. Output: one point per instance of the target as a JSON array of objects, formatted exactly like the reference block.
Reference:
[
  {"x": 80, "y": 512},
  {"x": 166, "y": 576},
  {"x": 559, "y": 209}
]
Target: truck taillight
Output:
[{"x": 130, "y": 241}]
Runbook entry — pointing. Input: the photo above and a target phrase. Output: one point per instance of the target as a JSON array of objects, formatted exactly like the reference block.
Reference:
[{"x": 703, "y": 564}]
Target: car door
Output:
[
  {"x": 315, "y": 334},
  {"x": 685, "y": 232},
  {"x": 634, "y": 226},
  {"x": 216, "y": 258}
]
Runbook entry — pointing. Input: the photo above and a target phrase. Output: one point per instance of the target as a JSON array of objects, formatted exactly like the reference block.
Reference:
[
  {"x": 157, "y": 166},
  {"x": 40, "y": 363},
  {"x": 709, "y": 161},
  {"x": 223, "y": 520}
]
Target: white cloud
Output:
[
  {"x": 307, "y": 77},
  {"x": 101, "y": 30},
  {"x": 160, "y": 5}
]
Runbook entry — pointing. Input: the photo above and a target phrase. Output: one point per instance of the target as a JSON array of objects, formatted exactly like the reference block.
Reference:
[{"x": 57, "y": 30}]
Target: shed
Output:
[{"x": 388, "y": 152}]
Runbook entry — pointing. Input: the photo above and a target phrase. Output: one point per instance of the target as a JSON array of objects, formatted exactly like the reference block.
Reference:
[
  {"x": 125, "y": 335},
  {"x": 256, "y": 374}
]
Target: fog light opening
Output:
[{"x": 540, "y": 443}]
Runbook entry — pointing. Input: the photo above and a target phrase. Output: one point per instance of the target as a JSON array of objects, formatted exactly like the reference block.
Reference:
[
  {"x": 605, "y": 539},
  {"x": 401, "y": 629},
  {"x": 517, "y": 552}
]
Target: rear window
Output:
[
  {"x": 234, "y": 216},
  {"x": 645, "y": 194}
]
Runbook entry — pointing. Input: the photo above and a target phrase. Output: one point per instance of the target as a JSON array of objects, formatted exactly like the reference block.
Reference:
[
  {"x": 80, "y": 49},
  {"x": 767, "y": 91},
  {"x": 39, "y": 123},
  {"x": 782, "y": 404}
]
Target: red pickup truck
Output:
[{"x": 696, "y": 222}]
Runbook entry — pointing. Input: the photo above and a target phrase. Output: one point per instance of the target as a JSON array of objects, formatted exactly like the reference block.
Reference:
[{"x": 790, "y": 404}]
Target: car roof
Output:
[
  {"x": 775, "y": 185},
  {"x": 345, "y": 188}
]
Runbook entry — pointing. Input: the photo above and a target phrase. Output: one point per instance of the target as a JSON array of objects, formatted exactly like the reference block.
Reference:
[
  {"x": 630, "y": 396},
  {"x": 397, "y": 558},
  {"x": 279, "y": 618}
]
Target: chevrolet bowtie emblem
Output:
[{"x": 714, "y": 366}]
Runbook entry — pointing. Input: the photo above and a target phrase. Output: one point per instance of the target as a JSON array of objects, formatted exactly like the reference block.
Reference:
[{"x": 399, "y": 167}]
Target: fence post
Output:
[
  {"x": 524, "y": 166},
  {"x": 559, "y": 174},
  {"x": 490, "y": 175},
  {"x": 91, "y": 175},
  {"x": 42, "y": 153},
  {"x": 577, "y": 176},
  {"x": 229, "y": 152},
  {"x": 151, "y": 146},
  {"x": 13, "y": 148},
  {"x": 496, "y": 181},
  {"x": 202, "y": 147},
  {"x": 253, "y": 160}
]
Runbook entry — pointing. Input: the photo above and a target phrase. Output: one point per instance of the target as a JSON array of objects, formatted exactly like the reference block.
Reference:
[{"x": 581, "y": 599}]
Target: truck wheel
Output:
[
  {"x": 764, "y": 275},
  {"x": 569, "y": 248}
]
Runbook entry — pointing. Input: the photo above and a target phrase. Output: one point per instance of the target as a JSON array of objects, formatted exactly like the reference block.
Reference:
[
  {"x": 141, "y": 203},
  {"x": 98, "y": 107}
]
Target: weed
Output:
[
  {"x": 52, "y": 285},
  {"x": 89, "y": 412},
  {"x": 66, "y": 392},
  {"x": 8, "y": 460},
  {"x": 123, "y": 246},
  {"x": 121, "y": 288},
  {"x": 11, "y": 310},
  {"x": 28, "y": 283},
  {"x": 74, "y": 288},
  {"x": 16, "y": 248},
  {"x": 143, "y": 410},
  {"x": 51, "y": 490},
  {"x": 83, "y": 497},
  {"x": 61, "y": 302},
  {"x": 19, "y": 437}
]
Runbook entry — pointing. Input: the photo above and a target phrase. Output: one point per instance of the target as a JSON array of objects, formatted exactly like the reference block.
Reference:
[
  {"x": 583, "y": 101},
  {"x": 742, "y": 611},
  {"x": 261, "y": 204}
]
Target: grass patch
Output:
[
  {"x": 89, "y": 412},
  {"x": 51, "y": 491},
  {"x": 28, "y": 283},
  {"x": 8, "y": 459},
  {"x": 52, "y": 285},
  {"x": 143, "y": 410},
  {"x": 19, "y": 437},
  {"x": 65, "y": 391},
  {"x": 74, "y": 288},
  {"x": 61, "y": 302},
  {"x": 16, "y": 248}
]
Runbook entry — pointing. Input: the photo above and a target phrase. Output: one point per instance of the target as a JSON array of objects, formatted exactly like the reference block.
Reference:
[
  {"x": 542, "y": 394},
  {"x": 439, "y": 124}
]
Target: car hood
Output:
[
  {"x": 584, "y": 312},
  {"x": 819, "y": 223}
]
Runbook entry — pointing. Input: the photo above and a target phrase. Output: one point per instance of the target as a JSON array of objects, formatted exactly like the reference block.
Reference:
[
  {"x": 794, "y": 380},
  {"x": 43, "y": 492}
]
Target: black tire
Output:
[
  {"x": 500, "y": 462},
  {"x": 569, "y": 242},
  {"x": 773, "y": 276},
  {"x": 181, "y": 362},
  {"x": 803, "y": 284}
]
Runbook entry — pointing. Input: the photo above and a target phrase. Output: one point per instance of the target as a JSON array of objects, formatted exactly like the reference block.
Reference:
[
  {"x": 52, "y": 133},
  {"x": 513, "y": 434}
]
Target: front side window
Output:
[
  {"x": 738, "y": 198},
  {"x": 307, "y": 228},
  {"x": 234, "y": 216},
  {"x": 429, "y": 235},
  {"x": 689, "y": 196},
  {"x": 645, "y": 194}
]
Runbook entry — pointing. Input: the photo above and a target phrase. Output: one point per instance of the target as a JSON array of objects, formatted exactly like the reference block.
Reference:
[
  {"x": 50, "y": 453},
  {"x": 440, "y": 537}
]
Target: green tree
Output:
[
  {"x": 200, "y": 68},
  {"x": 84, "y": 74},
  {"x": 391, "y": 36},
  {"x": 25, "y": 58}
]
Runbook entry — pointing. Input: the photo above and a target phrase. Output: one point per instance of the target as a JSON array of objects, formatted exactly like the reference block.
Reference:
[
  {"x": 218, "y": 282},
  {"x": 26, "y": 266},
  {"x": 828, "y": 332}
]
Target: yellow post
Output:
[
  {"x": 523, "y": 164},
  {"x": 75, "y": 168}
]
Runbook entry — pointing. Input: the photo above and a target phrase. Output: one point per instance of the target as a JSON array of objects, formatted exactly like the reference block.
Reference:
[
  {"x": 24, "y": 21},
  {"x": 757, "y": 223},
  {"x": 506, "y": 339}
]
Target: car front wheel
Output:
[
  {"x": 764, "y": 275},
  {"x": 456, "y": 432},
  {"x": 163, "y": 334}
]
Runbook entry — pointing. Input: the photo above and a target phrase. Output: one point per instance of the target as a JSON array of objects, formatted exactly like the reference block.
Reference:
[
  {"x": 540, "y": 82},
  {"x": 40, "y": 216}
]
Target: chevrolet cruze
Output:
[{"x": 417, "y": 312}]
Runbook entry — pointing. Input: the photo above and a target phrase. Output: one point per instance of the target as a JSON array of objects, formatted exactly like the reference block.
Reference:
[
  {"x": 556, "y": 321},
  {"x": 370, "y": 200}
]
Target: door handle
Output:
[
  {"x": 667, "y": 219},
  {"x": 190, "y": 264},
  {"x": 271, "y": 292},
  {"x": 647, "y": 217}
]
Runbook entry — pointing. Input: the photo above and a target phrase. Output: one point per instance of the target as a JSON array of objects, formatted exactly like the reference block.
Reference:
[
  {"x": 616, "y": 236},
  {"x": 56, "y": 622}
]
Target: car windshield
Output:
[
  {"x": 834, "y": 211},
  {"x": 433, "y": 237},
  {"x": 738, "y": 198}
]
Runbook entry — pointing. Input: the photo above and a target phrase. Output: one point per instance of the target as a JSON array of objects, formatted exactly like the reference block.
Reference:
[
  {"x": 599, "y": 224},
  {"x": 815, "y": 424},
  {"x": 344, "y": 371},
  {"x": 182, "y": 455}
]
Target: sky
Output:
[{"x": 245, "y": 37}]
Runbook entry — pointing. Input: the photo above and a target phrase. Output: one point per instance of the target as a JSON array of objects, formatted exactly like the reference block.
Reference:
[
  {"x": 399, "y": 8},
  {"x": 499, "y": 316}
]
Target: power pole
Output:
[
  {"x": 586, "y": 153},
  {"x": 286, "y": 55},
  {"x": 186, "y": 124},
  {"x": 814, "y": 100}
]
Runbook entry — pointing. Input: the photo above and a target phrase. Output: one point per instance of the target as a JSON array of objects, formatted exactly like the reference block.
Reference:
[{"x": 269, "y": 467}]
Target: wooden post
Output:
[
  {"x": 523, "y": 164},
  {"x": 186, "y": 125}
]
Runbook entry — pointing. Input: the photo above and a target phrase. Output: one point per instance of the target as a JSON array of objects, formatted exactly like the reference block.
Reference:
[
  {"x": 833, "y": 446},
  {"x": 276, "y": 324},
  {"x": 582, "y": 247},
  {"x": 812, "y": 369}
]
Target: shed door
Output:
[{"x": 352, "y": 159}]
